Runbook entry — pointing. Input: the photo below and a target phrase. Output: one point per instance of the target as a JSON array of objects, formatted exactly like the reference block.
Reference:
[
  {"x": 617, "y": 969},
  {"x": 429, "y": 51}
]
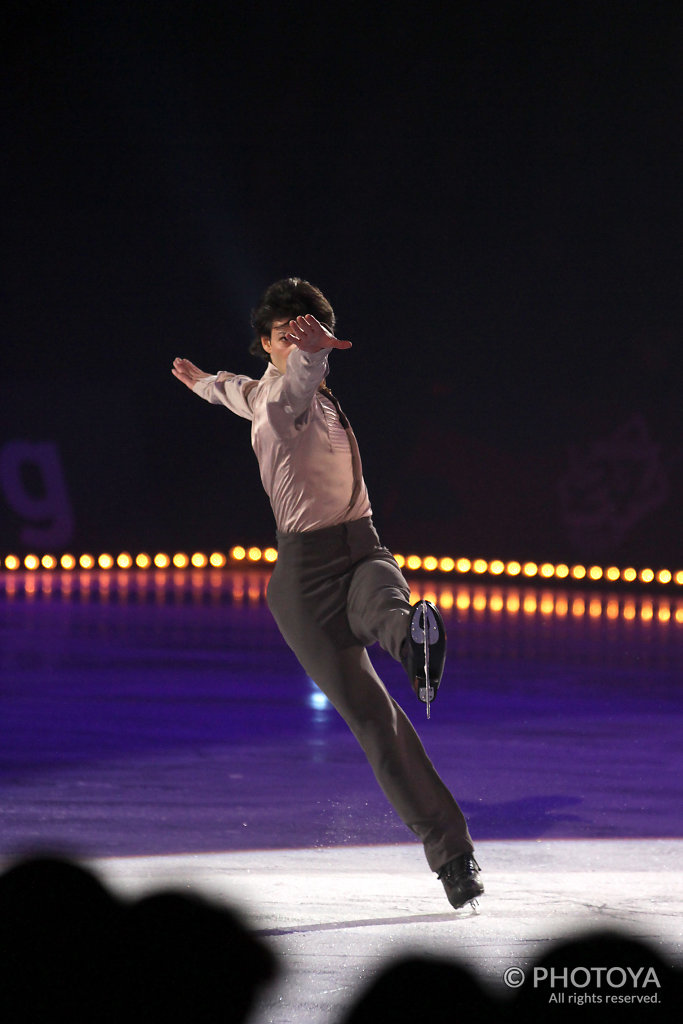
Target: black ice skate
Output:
[
  {"x": 460, "y": 879},
  {"x": 424, "y": 651}
]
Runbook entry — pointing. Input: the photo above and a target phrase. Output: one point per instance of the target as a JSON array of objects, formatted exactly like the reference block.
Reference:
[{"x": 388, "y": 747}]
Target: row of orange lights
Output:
[
  {"x": 256, "y": 555},
  {"x": 544, "y": 570},
  {"x": 179, "y": 560}
]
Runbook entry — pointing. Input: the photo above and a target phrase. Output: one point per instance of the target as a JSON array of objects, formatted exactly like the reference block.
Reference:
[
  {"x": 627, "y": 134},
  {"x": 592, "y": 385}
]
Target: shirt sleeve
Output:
[
  {"x": 290, "y": 397},
  {"x": 230, "y": 389}
]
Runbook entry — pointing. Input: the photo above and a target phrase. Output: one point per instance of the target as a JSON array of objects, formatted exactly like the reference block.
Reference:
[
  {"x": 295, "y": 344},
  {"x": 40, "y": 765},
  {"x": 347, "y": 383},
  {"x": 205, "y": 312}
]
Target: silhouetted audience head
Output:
[
  {"x": 58, "y": 933},
  {"x": 421, "y": 988},
  {"x": 70, "y": 951},
  {"x": 192, "y": 962},
  {"x": 602, "y": 975}
]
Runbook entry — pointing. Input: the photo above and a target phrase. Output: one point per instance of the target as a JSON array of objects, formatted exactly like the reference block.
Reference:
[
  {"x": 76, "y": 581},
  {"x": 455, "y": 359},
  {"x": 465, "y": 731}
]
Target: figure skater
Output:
[{"x": 335, "y": 590}]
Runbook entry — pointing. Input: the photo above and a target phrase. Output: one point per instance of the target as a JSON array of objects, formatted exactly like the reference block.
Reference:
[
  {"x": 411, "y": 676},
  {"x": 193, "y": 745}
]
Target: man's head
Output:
[{"x": 284, "y": 301}]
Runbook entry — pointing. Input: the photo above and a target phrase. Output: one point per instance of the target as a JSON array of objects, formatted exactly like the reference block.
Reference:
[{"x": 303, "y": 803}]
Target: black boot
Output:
[
  {"x": 426, "y": 619},
  {"x": 460, "y": 878}
]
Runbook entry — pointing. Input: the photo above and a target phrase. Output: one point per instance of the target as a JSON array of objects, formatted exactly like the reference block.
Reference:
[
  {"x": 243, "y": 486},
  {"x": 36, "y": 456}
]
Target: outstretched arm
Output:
[
  {"x": 229, "y": 389},
  {"x": 310, "y": 335}
]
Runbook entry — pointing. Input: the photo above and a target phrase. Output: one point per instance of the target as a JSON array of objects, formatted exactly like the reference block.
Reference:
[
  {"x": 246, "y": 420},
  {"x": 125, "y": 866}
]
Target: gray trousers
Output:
[{"x": 332, "y": 593}]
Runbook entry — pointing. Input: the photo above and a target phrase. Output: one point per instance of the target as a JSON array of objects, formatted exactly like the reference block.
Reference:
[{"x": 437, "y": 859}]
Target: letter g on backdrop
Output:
[{"x": 33, "y": 484}]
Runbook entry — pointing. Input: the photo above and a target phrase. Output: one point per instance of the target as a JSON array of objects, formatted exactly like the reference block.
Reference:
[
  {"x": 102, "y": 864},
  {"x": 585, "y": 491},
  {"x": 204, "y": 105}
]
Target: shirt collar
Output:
[{"x": 271, "y": 372}]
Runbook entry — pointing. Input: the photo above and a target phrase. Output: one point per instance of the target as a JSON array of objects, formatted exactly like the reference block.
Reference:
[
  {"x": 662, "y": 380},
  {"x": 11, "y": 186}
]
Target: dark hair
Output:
[{"x": 285, "y": 300}]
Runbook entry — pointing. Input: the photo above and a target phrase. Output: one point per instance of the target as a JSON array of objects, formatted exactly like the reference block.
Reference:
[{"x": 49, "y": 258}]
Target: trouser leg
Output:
[
  {"x": 378, "y": 603},
  {"x": 345, "y": 675}
]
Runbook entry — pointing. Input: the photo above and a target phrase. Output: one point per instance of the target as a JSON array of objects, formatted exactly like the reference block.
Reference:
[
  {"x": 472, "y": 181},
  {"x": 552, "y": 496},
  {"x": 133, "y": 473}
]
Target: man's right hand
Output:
[{"x": 187, "y": 372}]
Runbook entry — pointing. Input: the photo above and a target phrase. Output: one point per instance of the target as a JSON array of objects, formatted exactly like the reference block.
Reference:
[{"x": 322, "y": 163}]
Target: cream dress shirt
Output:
[{"x": 310, "y": 466}]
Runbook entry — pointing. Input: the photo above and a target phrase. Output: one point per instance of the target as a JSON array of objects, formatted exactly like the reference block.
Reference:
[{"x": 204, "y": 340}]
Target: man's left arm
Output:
[{"x": 306, "y": 369}]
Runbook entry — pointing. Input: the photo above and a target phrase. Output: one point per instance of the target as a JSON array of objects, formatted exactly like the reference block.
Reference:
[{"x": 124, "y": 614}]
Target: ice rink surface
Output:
[
  {"x": 337, "y": 916},
  {"x": 158, "y": 729}
]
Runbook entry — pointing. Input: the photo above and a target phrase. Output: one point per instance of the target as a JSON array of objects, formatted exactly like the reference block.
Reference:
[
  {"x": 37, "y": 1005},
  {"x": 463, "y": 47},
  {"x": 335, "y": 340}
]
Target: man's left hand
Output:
[{"x": 310, "y": 335}]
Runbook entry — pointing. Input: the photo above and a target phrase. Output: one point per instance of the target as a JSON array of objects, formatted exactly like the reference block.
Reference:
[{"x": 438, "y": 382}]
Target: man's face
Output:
[{"x": 278, "y": 345}]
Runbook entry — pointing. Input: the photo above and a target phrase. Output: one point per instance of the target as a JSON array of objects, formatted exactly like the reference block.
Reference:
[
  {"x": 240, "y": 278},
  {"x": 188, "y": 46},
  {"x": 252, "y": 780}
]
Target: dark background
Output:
[{"x": 489, "y": 194}]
